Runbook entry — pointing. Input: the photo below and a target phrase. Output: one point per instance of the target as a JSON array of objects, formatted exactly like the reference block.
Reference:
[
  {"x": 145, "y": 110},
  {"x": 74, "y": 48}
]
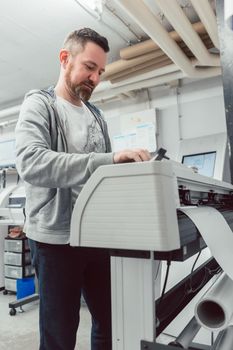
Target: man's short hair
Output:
[{"x": 83, "y": 36}]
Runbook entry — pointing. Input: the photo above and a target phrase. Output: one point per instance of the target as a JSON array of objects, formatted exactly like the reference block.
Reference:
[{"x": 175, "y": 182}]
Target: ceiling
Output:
[{"x": 32, "y": 33}]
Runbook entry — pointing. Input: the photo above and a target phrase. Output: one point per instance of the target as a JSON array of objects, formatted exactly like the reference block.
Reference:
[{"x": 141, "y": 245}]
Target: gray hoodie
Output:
[{"x": 49, "y": 172}]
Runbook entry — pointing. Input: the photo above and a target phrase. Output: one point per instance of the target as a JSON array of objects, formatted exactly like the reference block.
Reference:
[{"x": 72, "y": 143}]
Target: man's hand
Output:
[{"x": 131, "y": 155}]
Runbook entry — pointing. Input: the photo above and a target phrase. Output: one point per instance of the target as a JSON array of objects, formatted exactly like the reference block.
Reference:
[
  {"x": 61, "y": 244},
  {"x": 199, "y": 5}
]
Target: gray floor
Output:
[{"x": 20, "y": 332}]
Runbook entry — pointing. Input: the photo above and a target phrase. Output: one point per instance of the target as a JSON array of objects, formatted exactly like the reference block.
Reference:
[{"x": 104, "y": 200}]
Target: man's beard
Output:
[
  {"x": 82, "y": 92},
  {"x": 79, "y": 91}
]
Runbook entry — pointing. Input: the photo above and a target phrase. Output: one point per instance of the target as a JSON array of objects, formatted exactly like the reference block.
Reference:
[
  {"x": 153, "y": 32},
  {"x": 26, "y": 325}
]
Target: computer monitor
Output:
[
  {"x": 204, "y": 162},
  {"x": 7, "y": 154}
]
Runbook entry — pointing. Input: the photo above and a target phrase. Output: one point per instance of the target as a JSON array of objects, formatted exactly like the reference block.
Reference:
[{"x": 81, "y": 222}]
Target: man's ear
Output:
[{"x": 64, "y": 57}]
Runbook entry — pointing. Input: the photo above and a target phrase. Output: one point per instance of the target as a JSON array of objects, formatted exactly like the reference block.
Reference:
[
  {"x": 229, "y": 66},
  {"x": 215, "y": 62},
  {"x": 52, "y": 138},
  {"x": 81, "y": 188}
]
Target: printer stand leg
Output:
[{"x": 133, "y": 301}]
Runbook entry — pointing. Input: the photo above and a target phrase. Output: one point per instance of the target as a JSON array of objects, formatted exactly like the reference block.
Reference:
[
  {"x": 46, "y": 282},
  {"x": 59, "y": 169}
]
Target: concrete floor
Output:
[{"x": 20, "y": 332}]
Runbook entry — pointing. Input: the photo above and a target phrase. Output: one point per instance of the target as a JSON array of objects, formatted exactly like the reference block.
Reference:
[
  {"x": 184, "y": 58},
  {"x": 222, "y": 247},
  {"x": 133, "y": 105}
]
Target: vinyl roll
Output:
[
  {"x": 216, "y": 233},
  {"x": 214, "y": 311}
]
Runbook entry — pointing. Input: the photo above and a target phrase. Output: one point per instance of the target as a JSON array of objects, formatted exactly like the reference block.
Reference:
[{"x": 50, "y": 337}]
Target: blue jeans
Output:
[{"x": 64, "y": 272}]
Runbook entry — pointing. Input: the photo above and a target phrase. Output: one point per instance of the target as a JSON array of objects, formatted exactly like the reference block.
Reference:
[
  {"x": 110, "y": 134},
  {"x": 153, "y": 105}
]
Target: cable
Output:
[
  {"x": 202, "y": 283},
  {"x": 198, "y": 255},
  {"x": 192, "y": 270},
  {"x": 193, "y": 289}
]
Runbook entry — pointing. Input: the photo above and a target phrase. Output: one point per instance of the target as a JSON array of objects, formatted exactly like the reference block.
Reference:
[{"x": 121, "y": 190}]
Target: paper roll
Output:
[
  {"x": 149, "y": 45},
  {"x": 214, "y": 311},
  {"x": 216, "y": 233}
]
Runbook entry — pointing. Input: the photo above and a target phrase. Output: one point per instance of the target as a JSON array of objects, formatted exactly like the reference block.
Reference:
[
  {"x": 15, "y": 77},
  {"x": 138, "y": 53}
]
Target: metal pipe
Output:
[{"x": 186, "y": 336}]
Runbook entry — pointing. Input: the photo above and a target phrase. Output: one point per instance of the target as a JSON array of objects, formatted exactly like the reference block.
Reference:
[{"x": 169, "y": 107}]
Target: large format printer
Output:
[{"x": 135, "y": 211}]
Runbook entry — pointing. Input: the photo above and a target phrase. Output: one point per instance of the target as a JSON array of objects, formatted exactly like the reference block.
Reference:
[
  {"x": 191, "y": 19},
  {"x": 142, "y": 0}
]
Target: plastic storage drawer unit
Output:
[
  {"x": 17, "y": 258},
  {"x": 18, "y": 271},
  {"x": 11, "y": 284},
  {"x": 17, "y": 262},
  {"x": 16, "y": 245}
]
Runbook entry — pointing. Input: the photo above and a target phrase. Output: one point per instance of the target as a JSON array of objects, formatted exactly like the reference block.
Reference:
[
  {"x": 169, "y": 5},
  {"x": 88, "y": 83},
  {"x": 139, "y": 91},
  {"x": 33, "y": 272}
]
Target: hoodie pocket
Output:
[{"x": 56, "y": 213}]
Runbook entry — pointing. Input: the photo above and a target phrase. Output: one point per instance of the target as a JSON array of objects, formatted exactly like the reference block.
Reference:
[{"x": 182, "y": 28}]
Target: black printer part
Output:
[{"x": 159, "y": 154}]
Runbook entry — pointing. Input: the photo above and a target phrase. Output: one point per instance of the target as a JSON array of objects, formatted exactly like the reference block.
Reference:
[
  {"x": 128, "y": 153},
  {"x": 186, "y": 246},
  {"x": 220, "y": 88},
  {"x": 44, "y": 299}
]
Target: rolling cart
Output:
[{"x": 19, "y": 273}]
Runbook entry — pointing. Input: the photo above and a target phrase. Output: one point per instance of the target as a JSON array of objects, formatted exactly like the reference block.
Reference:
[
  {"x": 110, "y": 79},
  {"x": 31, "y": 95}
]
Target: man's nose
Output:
[{"x": 95, "y": 78}]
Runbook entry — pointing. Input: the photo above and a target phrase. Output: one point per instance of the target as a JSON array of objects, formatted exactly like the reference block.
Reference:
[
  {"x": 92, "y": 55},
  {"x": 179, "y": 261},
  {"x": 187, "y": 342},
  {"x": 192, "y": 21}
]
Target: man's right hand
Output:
[{"x": 131, "y": 155}]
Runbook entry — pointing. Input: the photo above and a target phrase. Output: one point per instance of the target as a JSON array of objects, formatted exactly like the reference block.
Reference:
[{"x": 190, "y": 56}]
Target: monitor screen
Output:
[
  {"x": 204, "y": 162},
  {"x": 7, "y": 153}
]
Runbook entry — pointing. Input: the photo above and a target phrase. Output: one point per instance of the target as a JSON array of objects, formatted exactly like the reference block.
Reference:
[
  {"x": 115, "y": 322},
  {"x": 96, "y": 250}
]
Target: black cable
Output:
[
  {"x": 214, "y": 271},
  {"x": 199, "y": 286},
  {"x": 194, "y": 264},
  {"x": 202, "y": 283},
  {"x": 192, "y": 269}
]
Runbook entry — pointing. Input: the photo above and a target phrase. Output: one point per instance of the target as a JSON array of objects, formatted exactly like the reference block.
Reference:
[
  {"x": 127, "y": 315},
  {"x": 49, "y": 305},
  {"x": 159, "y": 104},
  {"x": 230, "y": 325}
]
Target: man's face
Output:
[{"x": 83, "y": 71}]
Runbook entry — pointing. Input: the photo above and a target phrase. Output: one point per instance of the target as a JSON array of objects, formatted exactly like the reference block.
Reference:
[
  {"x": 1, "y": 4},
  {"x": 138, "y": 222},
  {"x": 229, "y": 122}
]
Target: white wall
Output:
[{"x": 197, "y": 111}]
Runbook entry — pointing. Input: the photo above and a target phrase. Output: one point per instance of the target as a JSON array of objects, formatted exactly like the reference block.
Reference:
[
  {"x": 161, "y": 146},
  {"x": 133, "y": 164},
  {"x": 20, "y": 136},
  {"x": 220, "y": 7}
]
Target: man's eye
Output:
[{"x": 89, "y": 67}]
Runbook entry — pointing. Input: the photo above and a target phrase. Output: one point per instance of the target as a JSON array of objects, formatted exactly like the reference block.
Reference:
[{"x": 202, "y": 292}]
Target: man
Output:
[{"x": 61, "y": 139}]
